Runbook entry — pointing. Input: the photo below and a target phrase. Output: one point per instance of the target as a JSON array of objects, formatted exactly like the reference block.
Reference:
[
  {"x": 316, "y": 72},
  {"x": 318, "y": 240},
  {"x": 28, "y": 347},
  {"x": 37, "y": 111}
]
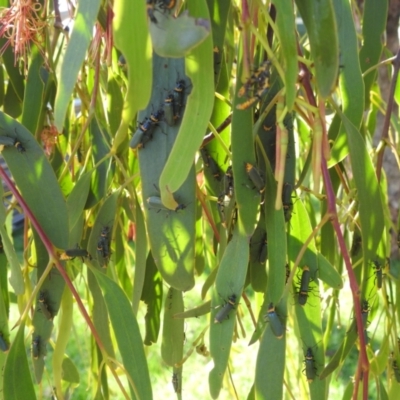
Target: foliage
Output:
[{"x": 280, "y": 210}]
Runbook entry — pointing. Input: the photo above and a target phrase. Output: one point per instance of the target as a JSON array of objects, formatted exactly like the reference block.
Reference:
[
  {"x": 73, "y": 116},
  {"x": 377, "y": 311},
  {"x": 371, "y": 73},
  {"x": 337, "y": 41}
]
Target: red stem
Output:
[
  {"x": 331, "y": 199},
  {"x": 50, "y": 249}
]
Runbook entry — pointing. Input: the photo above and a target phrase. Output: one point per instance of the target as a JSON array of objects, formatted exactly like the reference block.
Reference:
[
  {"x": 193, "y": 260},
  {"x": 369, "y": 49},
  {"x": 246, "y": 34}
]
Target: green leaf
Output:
[
  {"x": 198, "y": 108},
  {"x": 247, "y": 198},
  {"x": 105, "y": 219},
  {"x": 328, "y": 274},
  {"x": 16, "y": 77},
  {"x": 132, "y": 39},
  {"x": 277, "y": 246},
  {"x": 152, "y": 295},
  {"x": 285, "y": 22},
  {"x": 350, "y": 81},
  {"x": 104, "y": 172},
  {"x": 70, "y": 372},
  {"x": 320, "y": 22},
  {"x": 141, "y": 252},
  {"x": 16, "y": 278},
  {"x": 127, "y": 335},
  {"x": 270, "y": 366},
  {"x": 368, "y": 190},
  {"x": 19, "y": 385},
  {"x": 175, "y": 37},
  {"x": 373, "y": 28},
  {"x": 74, "y": 57},
  {"x": 173, "y": 335},
  {"x": 230, "y": 280},
  {"x": 36, "y": 181},
  {"x": 77, "y": 198},
  {"x": 33, "y": 105},
  {"x": 310, "y": 329},
  {"x": 173, "y": 252}
]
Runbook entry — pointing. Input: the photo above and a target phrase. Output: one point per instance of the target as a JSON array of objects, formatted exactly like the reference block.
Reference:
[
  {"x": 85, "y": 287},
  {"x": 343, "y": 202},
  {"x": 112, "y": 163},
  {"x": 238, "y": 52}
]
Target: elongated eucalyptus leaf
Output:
[
  {"x": 310, "y": 329},
  {"x": 373, "y": 28},
  {"x": 18, "y": 385},
  {"x": 36, "y": 180},
  {"x": 171, "y": 228},
  {"x": 104, "y": 221},
  {"x": 133, "y": 40},
  {"x": 350, "y": 80},
  {"x": 198, "y": 108},
  {"x": 152, "y": 295},
  {"x": 173, "y": 334},
  {"x": 141, "y": 254},
  {"x": 34, "y": 94},
  {"x": 243, "y": 152},
  {"x": 16, "y": 278},
  {"x": 104, "y": 172},
  {"x": 275, "y": 227},
  {"x": 74, "y": 57},
  {"x": 285, "y": 22},
  {"x": 368, "y": 191},
  {"x": 127, "y": 335},
  {"x": 77, "y": 199},
  {"x": 270, "y": 366},
  {"x": 16, "y": 77},
  {"x": 299, "y": 234},
  {"x": 230, "y": 280},
  {"x": 175, "y": 37},
  {"x": 320, "y": 22}
]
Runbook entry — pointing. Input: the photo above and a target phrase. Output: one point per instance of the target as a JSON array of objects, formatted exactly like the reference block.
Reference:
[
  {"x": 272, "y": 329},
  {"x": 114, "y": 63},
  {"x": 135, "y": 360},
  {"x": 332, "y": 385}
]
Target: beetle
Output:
[
  {"x": 18, "y": 145},
  {"x": 356, "y": 245},
  {"x": 263, "y": 250},
  {"x": 378, "y": 273},
  {"x": 275, "y": 322},
  {"x": 166, "y": 4},
  {"x": 154, "y": 119},
  {"x": 304, "y": 286},
  {"x": 396, "y": 370},
  {"x": 175, "y": 382},
  {"x": 44, "y": 306},
  {"x": 255, "y": 176},
  {"x": 365, "y": 309},
  {"x": 258, "y": 77},
  {"x": 70, "y": 254},
  {"x": 310, "y": 369},
  {"x": 169, "y": 112},
  {"x": 209, "y": 162},
  {"x": 36, "y": 347},
  {"x": 221, "y": 207},
  {"x": 150, "y": 11},
  {"x": 223, "y": 313},
  {"x": 287, "y": 201},
  {"x": 3, "y": 344},
  {"x": 145, "y": 128},
  {"x": 261, "y": 79},
  {"x": 228, "y": 182},
  {"x": 9, "y": 142},
  {"x": 287, "y": 268},
  {"x": 103, "y": 244},
  {"x": 179, "y": 94}
]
